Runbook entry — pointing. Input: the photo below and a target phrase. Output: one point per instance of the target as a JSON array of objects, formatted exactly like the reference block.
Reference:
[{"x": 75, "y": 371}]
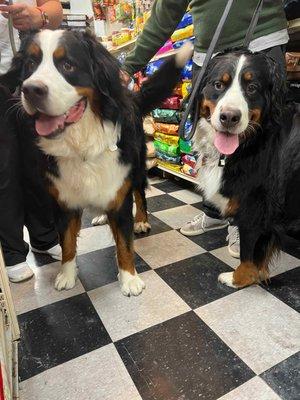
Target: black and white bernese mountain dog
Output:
[
  {"x": 249, "y": 139},
  {"x": 90, "y": 128}
]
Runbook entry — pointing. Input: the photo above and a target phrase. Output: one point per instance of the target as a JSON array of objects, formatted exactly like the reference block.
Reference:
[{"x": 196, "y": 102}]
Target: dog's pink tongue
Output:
[
  {"x": 226, "y": 143},
  {"x": 45, "y": 125}
]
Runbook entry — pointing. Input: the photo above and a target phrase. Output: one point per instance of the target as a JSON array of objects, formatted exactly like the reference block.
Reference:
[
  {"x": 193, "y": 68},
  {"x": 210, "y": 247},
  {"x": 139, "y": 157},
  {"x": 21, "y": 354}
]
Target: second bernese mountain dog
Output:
[
  {"x": 249, "y": 139},
  {"x": 90, "y": 128}
]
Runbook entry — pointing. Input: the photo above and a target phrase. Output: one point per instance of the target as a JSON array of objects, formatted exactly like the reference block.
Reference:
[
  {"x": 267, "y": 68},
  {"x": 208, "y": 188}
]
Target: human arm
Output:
[
  {"x": 27, "y": 17},
  {"x": 165, "y": 16}
]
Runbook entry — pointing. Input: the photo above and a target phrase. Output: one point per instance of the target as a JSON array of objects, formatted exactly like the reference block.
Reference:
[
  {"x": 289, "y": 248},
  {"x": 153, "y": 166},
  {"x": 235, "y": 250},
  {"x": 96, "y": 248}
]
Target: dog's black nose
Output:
[
  {"x": 230, "y": 118},
  {"x": 35, "y": 91}
]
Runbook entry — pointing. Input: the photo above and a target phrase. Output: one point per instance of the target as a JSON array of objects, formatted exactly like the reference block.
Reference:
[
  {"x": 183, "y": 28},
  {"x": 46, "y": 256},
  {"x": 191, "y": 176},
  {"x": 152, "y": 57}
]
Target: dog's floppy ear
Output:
[
  {"x": 277, "y": 95},
  {"x": 106, "y": 78},
  {"x": 12, "y": 78}
]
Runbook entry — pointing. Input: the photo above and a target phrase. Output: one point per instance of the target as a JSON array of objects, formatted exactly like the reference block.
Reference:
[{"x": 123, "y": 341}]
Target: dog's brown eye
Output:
[
  {"x": 251, "y": 88},
  {"x": 219, "y": 85},
  {"x": 68, "y": 67},
  {"x": 31, "y": 65}
]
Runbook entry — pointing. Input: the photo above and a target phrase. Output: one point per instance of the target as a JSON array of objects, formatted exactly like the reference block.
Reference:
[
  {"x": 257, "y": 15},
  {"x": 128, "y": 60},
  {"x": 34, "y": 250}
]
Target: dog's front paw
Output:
[
  {"x": 66, "y": 279},
  {"x": 141, "y": 226},
  {"x": 131, "y": 285},
  {"x": 227, "y": 279}
]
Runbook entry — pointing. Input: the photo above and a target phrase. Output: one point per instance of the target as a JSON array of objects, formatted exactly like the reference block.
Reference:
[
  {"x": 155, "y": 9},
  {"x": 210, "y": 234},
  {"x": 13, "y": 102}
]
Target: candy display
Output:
[
  {"x": 186, "y": 73},
  {"x": 179, "y": 43},
  {"x": 167, "y": 158},
  {"x": 186, "y": 88},
  {"x": 189, "y": 160},
  {"x": 168, "y": 46},
  {"x": 187, "y": 19},
  {"x": 188, "y": 170},
  {"x": 172, "y": 103},
  {"x": 169, "y": 166},
  {"x": 183, "y": 33},
  {"x": 168, "y": 149},
  {"x": 153, "y": 66},
  {"x": 166, "y": 116},
  {"x": 168, "y": 139},
  {"x": 169, "y": 129},
  {"x": 185, "y": 146}
]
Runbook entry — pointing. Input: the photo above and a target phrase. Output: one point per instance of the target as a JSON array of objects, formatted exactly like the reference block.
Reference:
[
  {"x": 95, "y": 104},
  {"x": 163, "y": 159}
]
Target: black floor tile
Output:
[
  {"x": 291, "y": 246},
  {"x": 162, "y": 202},
  {"x": 99, "y": 268},
  {"x": 284, "y": 378},
  {"x": 38, "y": 260},
  {"x": 157, "y": 226},
  {"x": 171, "y": 185},
  {"x": 286, "y": 287},
  {"x": 181, "y": 359},
  {"x": 57, "y": 333},
  {"x": 86, "y": 219},
  {"x": 211, "y": 240},
  {"x": 199, "y": 205},
  {"x": 195, "y": 279}
]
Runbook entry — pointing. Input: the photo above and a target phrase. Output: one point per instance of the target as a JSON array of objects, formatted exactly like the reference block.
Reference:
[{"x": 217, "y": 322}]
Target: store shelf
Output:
[
  {"x": 178, "y": 174},
  {"x": 116, "y": 49}
]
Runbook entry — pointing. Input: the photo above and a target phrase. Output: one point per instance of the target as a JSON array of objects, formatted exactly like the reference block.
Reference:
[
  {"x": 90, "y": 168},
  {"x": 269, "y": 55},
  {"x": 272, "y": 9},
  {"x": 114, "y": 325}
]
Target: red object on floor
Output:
[{"x": 1, "y": 385}]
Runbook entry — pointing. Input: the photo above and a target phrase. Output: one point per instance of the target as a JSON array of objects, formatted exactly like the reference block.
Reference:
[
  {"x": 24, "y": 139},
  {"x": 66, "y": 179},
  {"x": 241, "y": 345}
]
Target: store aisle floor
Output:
[{"x": 185, "y": 338}]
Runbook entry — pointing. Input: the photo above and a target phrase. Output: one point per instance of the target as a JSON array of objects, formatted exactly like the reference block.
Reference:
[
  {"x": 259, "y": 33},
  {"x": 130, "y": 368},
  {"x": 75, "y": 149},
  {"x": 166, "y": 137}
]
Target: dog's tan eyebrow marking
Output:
[
  {"x": 59, "y": 53},
  {"x": 34, "y": 50},
  {"x": 226, "y": 77},
  {"x": 248, "y": 76}
]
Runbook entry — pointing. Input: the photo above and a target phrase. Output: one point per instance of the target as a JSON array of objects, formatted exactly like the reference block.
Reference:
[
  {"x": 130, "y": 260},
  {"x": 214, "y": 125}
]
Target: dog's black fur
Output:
[
  {"x": 98, "y": 72},
  {"x": 262, "y": 176}
]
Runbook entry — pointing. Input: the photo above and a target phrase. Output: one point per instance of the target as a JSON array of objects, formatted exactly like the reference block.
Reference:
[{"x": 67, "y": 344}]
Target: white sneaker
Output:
[
  {"x": 54, "y": 252},
  {"x": 19, "y": 272},
  {"x": 100, "y": 220},
  {"x": 233, "y": 239},
  {"x": 202, "y": 223}
]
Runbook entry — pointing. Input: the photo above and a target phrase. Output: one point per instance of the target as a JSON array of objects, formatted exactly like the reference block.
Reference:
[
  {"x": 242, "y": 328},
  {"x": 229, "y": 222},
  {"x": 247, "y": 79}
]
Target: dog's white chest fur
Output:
[
  {"x": 210, "y": 175},
  {"x": 90, "y": 173}
]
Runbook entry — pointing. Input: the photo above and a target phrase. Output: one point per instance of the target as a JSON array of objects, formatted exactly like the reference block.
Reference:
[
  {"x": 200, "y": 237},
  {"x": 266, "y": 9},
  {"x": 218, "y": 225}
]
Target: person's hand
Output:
[
  {"x": 24, "y": 17},
  {"x": 125, "y": 78}
]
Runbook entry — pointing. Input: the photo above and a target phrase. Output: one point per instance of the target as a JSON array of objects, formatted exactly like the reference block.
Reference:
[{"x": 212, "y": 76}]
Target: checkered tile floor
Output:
[{"x": 185, "y": 338}]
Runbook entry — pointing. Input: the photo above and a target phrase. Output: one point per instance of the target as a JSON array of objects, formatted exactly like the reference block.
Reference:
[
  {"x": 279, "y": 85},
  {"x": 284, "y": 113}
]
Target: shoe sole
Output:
[
  {"x": 20, "y": 280},
  {"x": 233, "y": 253},
  {"x": 196, "y": 233}
]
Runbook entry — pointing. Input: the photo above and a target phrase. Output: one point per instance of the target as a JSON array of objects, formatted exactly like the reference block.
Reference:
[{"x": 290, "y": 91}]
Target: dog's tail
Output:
[{"x": 161, "y": 84}]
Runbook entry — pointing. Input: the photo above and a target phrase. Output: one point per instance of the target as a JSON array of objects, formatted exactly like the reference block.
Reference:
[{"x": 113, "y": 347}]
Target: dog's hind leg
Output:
[
  {"x": 141, "y": 223},
  {"x": 257, "y": 251},
  {"x": 69, "y": 228},
  {"x": 121, "y": 223}
]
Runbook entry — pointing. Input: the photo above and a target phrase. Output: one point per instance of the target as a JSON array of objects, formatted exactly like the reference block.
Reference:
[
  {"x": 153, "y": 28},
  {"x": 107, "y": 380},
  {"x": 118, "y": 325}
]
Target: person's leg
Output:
[
  {"x": 210, "y": 218},
  {"x": 39, "y": 218}
]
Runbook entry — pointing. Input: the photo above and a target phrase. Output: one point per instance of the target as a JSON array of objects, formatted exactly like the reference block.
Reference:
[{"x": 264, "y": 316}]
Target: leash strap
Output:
[
  {"x": 11, "y": 31},
  {"x": 253, "y": 24},
  {"x": 208, "y": 56}
]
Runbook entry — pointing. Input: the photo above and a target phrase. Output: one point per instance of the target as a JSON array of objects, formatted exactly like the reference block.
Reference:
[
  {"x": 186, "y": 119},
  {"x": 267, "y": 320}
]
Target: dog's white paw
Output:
[
  {"x": 66, "y": 279},
  {"x": 140, "y": 227},
  {"x": 131, "y": 285},
  {"x": 227, "y": 279}
]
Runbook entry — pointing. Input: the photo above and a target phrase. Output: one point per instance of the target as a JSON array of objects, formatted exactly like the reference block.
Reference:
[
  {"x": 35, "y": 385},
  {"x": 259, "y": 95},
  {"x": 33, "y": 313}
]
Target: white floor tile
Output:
[
  {"x": 94, "y": 238},
  {"x": 177, "y": 216},
  {"x": 257, "y": 326},
  {"x": 99, "y": 375},
  {"x": 124, "y": 316},
  {"x": 255, "y": 389},
  {"x": 223, "y": 255},
  {"x": 39, "y": 290},
  {"x": 153, "y": 191},
  {"x": 166, "y": 248},
  {"x": 188, "y": 196}
]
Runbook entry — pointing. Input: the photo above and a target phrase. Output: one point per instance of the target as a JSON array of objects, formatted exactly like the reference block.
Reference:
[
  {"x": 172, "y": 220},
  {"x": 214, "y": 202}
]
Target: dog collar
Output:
[{"x": 222, "y": 160}]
